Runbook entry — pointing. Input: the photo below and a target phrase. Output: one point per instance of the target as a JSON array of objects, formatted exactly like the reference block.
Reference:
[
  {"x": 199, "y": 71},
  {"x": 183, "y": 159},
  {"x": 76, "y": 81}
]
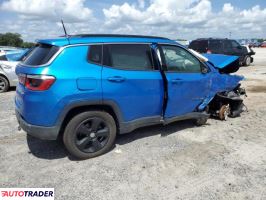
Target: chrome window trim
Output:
[{"x": 74, "y": 45}]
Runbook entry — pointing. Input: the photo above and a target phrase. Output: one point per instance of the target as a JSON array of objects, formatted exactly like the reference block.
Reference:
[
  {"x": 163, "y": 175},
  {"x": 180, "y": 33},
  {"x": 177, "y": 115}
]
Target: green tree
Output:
[
  {"x": 27, "y": 44},
  {"x": 11, "y": 39}
]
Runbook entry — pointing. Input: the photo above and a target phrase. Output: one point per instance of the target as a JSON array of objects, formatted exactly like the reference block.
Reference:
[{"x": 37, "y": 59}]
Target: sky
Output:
[{"x": 175, "y": 19}]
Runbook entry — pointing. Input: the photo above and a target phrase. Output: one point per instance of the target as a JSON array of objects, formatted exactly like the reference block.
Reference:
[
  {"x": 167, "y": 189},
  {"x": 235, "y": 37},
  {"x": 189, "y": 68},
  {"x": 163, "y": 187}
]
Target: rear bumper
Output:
[
  {"x": 41, "y": 132},
  {"x": 252, "y": 53}
]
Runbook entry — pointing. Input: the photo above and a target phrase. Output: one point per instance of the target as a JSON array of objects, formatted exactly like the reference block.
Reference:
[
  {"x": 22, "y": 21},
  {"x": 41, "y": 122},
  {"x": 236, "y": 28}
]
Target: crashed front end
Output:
[
  {"x": 228, "y": 103},
  {"x": 226, "y": 95}
]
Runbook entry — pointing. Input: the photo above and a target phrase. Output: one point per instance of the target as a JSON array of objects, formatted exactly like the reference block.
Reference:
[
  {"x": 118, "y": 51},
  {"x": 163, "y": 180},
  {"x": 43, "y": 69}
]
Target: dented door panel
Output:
[
  {"x": 187, "y": 86},
  {"x": 186, "y": 92}
]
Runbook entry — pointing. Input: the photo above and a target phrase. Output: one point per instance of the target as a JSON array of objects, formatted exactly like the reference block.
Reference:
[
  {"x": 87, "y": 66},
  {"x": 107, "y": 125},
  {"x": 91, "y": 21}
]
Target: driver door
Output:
[{"x": 187, "y": 85}]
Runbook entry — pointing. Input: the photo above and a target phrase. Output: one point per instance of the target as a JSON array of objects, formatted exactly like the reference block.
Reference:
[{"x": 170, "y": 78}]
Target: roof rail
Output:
[
  {"x": 211, "y": 38},
  {"x": 115, "y": 35}
]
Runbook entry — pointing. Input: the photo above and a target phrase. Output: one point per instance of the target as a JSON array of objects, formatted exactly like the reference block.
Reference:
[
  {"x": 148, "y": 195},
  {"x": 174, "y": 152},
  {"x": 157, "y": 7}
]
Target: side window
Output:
[
  {"x": 180, "y": 60},
  {"x": 235, "y": 44},
  {"x": 128, "y": 56},
  {"x": 95, "y": 54},
  {"x": 215, "y": 45},
  {"x": 199, "y": 46},
  {"x": 227, "y": 45}
]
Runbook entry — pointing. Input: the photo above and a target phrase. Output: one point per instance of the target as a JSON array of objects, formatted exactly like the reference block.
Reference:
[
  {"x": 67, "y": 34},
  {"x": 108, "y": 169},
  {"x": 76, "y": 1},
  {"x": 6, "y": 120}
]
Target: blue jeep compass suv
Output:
[{"x": 92, "y": 87}]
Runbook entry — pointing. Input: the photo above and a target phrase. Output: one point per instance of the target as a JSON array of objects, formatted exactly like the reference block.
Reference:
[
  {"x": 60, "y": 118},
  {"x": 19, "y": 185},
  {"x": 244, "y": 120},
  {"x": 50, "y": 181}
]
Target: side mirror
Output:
[{"x": 204, "y": 69}]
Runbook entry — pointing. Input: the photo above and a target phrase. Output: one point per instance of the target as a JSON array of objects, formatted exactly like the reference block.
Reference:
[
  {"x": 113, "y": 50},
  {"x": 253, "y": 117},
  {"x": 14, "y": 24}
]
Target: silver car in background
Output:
[
  {"x": 8, "y": 63},
  {"x": 4, "y": 49}
]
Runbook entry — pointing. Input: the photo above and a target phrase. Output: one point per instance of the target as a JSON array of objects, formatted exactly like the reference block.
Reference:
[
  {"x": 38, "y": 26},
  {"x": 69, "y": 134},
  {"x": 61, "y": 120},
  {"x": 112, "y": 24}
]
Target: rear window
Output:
[
  {"x": 199, "y": 45},
  {"x": 25, "y": 55},
  {"x": 41, "y": 54}
]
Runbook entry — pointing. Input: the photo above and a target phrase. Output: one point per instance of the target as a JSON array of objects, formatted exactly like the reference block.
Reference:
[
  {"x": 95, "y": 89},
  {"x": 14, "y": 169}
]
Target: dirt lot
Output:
[{"x": 221, "y": 160}]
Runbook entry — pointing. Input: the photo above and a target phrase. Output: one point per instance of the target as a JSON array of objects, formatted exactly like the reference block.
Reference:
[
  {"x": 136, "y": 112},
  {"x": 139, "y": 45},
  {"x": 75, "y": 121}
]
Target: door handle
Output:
[
  {"x": 117, "y": 79},
  {"x": 175, "y": 81}
]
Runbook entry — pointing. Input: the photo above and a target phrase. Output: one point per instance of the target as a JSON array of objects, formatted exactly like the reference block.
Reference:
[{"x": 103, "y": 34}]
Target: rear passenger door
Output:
[
  {"x": 187, "y": 85},
  {"x": 130, "y": 80}
]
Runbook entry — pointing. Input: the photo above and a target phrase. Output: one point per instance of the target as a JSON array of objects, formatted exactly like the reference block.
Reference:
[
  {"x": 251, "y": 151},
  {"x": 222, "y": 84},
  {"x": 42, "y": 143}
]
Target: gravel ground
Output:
[{"x": 221, "y": 160}]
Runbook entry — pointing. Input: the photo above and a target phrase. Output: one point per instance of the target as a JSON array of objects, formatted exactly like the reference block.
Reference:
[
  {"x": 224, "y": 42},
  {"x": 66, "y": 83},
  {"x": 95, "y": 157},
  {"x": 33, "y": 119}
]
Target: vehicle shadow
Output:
[
  {"x": 46, "y": 149},
  {"x": 55, "y": 149},
  {"x": 11, "y": 89},
  {"x": 161, "y": 130}
]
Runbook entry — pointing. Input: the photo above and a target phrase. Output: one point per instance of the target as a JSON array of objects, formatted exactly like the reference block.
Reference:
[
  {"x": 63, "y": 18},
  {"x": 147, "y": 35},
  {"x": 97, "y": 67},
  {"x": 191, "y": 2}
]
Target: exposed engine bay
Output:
[{"x": 227, "y": 104}]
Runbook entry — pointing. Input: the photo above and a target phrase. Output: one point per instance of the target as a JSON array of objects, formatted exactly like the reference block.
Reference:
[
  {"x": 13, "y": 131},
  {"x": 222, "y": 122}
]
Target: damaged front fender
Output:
[
  {"x": 225, "y": 96},
  {"x": 224, "y": 92}
]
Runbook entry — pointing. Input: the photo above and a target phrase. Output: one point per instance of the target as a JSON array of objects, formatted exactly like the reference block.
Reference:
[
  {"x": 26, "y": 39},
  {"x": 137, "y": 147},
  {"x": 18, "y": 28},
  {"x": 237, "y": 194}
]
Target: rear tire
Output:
[
  {"x": 90, "y": 134},
  {"x": 4, "y": 84}
]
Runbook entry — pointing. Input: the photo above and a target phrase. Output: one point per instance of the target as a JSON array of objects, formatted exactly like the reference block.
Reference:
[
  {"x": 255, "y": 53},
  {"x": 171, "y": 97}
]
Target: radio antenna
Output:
[
  {"x": 66, "y": 35},
  {"x": 64, "y": 28}
]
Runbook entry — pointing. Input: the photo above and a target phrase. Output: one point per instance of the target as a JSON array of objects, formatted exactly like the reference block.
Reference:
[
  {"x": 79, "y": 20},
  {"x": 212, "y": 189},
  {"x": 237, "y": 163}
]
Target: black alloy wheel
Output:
[{"x": 90, "y": 134}]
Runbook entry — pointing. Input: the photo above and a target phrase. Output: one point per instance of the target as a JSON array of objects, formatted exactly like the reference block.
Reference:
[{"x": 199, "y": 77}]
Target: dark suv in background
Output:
[{"x": 223, "y": 46}]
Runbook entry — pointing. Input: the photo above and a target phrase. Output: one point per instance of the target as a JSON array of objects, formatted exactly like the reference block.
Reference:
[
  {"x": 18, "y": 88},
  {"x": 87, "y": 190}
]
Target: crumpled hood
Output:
[{"x": 224, "y": 63}]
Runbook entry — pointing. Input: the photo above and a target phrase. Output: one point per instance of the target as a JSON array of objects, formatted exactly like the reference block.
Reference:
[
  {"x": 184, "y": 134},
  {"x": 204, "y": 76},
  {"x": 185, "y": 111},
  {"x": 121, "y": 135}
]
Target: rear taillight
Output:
[{"x": 36, "y": 82}]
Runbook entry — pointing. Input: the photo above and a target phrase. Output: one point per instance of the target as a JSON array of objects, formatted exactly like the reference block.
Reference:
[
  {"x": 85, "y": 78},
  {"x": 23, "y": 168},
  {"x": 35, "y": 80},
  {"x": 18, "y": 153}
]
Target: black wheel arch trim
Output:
[
  {"x": 123, "y": 126},
  {"x": 90, "y": 104}
]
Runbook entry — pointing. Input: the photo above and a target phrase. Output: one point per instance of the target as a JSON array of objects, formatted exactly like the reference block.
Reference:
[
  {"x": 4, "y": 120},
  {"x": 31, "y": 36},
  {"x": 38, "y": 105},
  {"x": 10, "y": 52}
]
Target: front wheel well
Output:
[
  {"x": 2, "y": 75},
  {"x": 6, "y": 88},
  {"x": 79, "y": 109}
]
